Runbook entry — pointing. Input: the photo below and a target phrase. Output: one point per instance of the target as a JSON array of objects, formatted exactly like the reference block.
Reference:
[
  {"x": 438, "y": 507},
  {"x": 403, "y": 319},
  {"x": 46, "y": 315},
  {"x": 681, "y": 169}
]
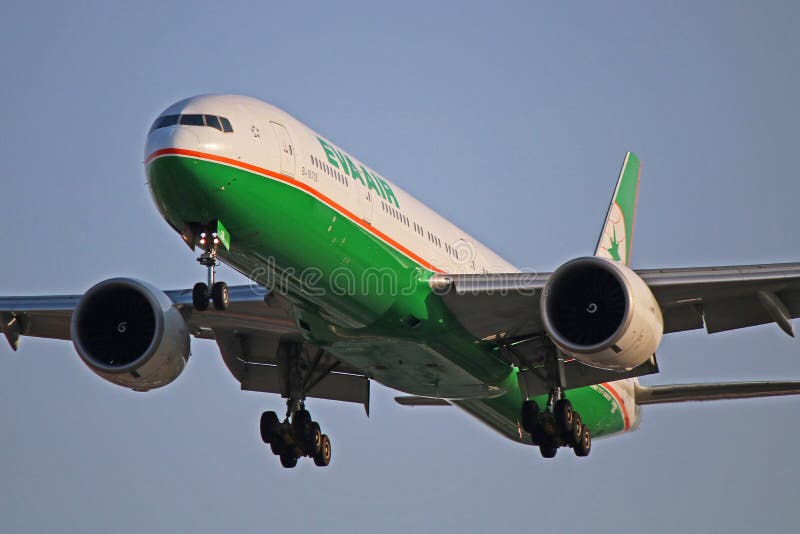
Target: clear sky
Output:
[{"x": 511, "y": 119}]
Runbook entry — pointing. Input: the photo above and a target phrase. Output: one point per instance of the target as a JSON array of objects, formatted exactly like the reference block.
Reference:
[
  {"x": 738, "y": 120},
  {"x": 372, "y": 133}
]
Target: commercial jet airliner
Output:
[{"x": 354, "y": 280}]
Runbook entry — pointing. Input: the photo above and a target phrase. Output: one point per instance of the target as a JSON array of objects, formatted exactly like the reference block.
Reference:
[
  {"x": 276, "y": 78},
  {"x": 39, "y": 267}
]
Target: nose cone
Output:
[
  {"x": 185, "y": 156},
  {"x": 172, "y": 137},
  {"x": 185, "y": 186}
]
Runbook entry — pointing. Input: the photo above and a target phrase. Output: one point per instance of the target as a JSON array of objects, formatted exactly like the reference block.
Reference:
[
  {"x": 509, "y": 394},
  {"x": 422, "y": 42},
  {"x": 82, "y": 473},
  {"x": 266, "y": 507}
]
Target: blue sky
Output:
[{"x": 511, "y": 119}]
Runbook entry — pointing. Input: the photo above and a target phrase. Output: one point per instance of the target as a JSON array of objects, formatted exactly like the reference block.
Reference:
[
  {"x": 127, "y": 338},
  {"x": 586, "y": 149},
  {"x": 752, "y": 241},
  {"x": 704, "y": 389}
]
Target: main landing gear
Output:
[
  {"x": 557, "y": 426},
  {"x": 213, "y": 291},
  {"x": 295, "y": 437}
]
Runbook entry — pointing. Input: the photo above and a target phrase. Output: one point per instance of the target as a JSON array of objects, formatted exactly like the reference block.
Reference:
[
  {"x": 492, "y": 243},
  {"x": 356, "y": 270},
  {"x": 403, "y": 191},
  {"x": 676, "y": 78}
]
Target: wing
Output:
[
  {"x": 504, "y": 308},
  {"x": 726, "y": 298},
  {"x": 247, "y": 333},
  {"x": 49, "y": 316},
  {"x": 718, "y": 298}
]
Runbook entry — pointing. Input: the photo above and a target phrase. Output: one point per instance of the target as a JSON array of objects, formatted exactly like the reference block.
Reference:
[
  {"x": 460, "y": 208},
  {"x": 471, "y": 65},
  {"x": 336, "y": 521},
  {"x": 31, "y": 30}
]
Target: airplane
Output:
[{"x": 354, "y": 280}]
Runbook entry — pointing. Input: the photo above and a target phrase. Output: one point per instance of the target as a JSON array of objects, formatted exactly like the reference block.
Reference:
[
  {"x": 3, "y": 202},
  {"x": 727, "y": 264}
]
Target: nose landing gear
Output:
[{"x": 213, "y": 291}]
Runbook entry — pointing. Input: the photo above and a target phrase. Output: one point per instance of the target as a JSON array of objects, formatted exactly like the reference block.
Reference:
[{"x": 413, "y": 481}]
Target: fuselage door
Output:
[
  {"x": 286, "y": 148},
  {"x": 367, "y": 200}
]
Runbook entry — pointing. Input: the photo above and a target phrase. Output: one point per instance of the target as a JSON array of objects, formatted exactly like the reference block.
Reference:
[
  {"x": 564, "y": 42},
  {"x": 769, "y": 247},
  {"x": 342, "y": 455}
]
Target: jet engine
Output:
[
  {"x": 131, "y": 334},
  {"x": 602, "y": 313}
]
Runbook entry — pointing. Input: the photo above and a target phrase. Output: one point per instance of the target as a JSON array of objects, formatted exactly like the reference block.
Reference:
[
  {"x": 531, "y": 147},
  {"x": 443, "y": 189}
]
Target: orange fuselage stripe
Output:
[{"x": 620, "y": 402}]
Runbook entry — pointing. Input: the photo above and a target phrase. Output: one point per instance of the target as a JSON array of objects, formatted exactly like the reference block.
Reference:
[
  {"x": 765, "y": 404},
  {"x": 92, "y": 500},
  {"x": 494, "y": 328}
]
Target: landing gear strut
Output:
[
  {"x": 216, "y": 292},
  {"x": 558, "y": 425},
  {"x": 298, "y": 434}
]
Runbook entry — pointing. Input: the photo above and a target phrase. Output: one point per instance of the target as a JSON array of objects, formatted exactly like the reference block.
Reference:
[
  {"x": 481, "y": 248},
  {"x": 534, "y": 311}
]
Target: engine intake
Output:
[
  {"x": 131, "y": 334},
  {"x": 602, "y": 313}
]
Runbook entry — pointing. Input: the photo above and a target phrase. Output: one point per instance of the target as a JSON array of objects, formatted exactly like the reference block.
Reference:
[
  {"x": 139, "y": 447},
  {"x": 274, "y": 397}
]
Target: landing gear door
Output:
[{"x": 286, "y": 148}]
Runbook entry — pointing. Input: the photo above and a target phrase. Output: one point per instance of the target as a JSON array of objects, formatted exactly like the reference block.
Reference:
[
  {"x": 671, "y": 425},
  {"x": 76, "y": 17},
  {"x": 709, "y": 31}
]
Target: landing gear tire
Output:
[
  {"x": 576, "y": 433},
  {"x": 312, "y": 441},
  {"x": 288, "y": 460},
  {"x": 548, "y": 451},
  {"x": 269, "y": 426},
  {"x": 323, "y": 457},
  {"x": 584, "y": 445},
  {"x": 200, "y": 296},
  {"x": 565, "y": 417},
  {"x": 276, "y": 446},
  {"x": 220, "y": 296}
]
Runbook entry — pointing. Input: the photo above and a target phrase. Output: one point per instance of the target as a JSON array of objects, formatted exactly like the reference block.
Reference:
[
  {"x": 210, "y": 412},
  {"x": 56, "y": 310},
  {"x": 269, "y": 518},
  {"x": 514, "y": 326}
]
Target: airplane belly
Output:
[{"x": 413, "y": 368}]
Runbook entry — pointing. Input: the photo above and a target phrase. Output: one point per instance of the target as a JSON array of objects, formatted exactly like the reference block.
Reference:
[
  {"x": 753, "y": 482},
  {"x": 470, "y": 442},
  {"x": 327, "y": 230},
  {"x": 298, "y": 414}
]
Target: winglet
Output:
[{"x": 616, "y": 236}]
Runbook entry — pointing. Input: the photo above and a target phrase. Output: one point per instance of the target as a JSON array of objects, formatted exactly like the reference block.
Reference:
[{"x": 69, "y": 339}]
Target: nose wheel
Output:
[{"x": 213, "y": 292}]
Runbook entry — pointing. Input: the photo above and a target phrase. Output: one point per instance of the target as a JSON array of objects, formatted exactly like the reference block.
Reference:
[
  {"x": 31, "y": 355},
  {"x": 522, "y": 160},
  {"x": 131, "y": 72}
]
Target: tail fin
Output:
[{"x": 616, "y": 237}]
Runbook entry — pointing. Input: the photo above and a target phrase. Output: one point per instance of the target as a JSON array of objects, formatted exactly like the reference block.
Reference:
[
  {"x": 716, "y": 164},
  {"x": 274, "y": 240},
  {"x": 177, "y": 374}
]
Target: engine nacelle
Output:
[
  {"x": 131, "y": 334},
  {"x": 602, "y": 313}
]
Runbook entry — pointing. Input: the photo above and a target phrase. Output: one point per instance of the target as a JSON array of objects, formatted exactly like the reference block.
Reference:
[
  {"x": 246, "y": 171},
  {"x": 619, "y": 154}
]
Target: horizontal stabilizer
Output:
[
  {"x": 705, "y": 392},
  {"x": 420, "y": 401}
]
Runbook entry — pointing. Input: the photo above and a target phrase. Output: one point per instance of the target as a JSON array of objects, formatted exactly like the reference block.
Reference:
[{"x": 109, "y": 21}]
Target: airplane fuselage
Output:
[{"x": 350, "y": 250}]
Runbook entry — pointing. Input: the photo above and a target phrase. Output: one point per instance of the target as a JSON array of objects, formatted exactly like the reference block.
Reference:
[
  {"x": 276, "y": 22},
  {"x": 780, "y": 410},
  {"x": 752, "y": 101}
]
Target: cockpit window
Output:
[
  {"x": 163, "y": 122},
  {"x": 192, "y": 120},
  {"x": 213, "y": 121},
  {"x": 220, "y": 123}
]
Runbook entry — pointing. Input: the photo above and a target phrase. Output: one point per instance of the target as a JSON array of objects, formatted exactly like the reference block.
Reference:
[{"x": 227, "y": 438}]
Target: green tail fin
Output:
[{"x": 616, "y": 236}]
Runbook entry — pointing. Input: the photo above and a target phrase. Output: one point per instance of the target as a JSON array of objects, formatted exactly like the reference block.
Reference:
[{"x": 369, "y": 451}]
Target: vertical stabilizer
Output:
[{"x": 616, "y": 236}]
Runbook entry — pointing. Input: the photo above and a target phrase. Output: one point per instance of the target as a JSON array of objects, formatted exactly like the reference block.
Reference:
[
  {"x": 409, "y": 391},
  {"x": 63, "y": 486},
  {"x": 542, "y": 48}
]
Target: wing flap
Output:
[
  {"x": 342, "y": 387},
  {"x": 726, "y": 298},
  {"x": 420, "y": 401},
  {"x": 252, "y": 358},
  {"x": 45, "y": 316},
  {"x": 705, "y": 392}
]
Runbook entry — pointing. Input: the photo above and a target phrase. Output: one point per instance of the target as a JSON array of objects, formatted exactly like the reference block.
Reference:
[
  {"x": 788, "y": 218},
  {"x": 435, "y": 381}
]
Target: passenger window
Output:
[
  {"x": 213, "y": 121},
  {"x": 226, "y": 125},
  {"x": 192, "y": 120}
]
